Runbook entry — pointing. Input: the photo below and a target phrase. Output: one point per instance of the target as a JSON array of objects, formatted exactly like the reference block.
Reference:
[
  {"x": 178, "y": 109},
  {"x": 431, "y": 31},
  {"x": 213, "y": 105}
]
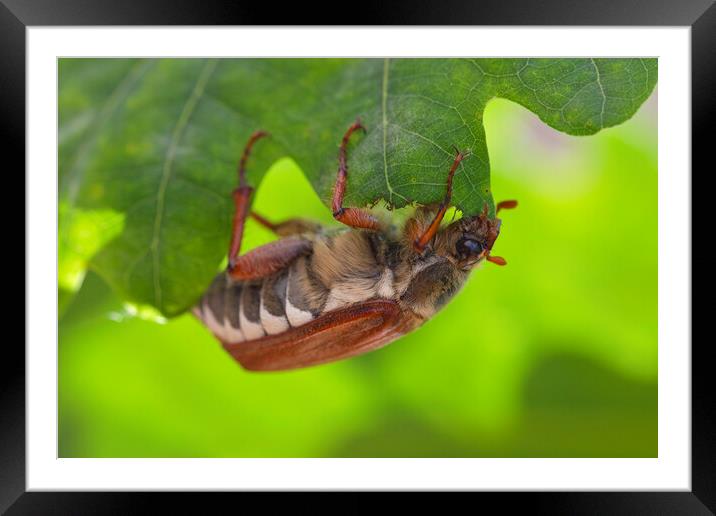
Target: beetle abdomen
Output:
[
  {"x": 237, "y": 311},
  {"x": 272, "y": 308},
  {"x": 343, "y": 269}
]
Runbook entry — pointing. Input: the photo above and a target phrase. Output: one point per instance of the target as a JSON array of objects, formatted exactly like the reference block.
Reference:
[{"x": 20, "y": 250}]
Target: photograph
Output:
[
  {"x": 394, "y": 257},
  {"x": 435, "y": 249}
]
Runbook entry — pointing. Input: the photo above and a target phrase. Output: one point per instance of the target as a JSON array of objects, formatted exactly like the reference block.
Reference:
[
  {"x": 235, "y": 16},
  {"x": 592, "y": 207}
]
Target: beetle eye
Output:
[{"x": 468, "y": 246}]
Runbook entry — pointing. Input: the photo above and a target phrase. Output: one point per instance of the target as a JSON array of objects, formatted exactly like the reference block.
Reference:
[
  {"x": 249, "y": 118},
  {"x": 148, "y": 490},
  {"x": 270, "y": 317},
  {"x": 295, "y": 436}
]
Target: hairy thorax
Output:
[{"x": 356, "y": 266}]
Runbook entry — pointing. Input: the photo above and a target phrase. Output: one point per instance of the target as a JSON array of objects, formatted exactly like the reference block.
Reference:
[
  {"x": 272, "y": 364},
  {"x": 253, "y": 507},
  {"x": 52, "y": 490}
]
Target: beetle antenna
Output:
[
  {"x": 505, "y": 205},
  {"x": 497, "y": 260}
]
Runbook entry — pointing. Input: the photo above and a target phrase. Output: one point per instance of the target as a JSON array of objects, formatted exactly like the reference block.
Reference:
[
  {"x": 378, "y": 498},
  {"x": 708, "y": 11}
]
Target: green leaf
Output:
[{"x": 156, "y": 142}]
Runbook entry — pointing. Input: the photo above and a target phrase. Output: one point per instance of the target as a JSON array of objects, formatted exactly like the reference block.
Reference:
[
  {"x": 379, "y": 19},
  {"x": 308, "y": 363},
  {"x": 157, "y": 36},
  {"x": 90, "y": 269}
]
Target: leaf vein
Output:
[
  {"x": 604, "y": 96},
  {"x": 384, "y": 105},
  {"x": 177, "y": 134}
]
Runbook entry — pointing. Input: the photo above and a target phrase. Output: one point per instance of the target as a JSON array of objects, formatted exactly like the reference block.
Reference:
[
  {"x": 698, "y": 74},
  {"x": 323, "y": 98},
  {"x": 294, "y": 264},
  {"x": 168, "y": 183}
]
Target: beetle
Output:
[{"x": 317, "y": 295}]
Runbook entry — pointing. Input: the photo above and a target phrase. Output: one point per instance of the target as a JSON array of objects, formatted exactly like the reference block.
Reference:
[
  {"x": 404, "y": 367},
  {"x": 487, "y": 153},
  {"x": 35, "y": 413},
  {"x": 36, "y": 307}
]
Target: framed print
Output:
[{"x": 453, "y": 257}]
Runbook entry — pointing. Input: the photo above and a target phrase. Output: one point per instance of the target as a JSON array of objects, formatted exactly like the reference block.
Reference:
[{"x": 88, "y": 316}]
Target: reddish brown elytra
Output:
[{"x": 318, "y": 295}]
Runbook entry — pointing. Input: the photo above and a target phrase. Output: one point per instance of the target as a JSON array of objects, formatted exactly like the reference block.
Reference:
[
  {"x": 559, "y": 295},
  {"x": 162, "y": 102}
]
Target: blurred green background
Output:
[{"x": 554, "y": 355}]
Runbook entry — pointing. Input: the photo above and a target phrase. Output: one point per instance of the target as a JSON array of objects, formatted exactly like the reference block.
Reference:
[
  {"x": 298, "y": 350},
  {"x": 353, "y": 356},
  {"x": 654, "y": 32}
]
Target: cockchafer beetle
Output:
[{"x": 317, "y": 295}]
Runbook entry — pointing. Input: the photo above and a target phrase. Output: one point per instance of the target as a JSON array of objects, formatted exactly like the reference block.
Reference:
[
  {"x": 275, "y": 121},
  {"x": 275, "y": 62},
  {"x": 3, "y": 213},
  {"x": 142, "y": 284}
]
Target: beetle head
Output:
[{"x": 469, "y": 240}]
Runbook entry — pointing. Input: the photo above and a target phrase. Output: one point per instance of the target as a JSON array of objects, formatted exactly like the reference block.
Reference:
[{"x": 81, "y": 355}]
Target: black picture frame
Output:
[{"x": 700, "y": 15}]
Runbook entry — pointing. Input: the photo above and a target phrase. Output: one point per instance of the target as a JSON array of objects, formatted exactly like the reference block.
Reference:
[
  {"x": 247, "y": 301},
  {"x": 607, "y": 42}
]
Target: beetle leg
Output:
[
  {"x": 266, "y": 259},
  {"x": 241, "y": 195},
  {"x": 353, "y": 217},
  {"x": 287, "y": 227},
  {"x": 420, "y": 243},
  {"x": 269, "y": 258}
]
